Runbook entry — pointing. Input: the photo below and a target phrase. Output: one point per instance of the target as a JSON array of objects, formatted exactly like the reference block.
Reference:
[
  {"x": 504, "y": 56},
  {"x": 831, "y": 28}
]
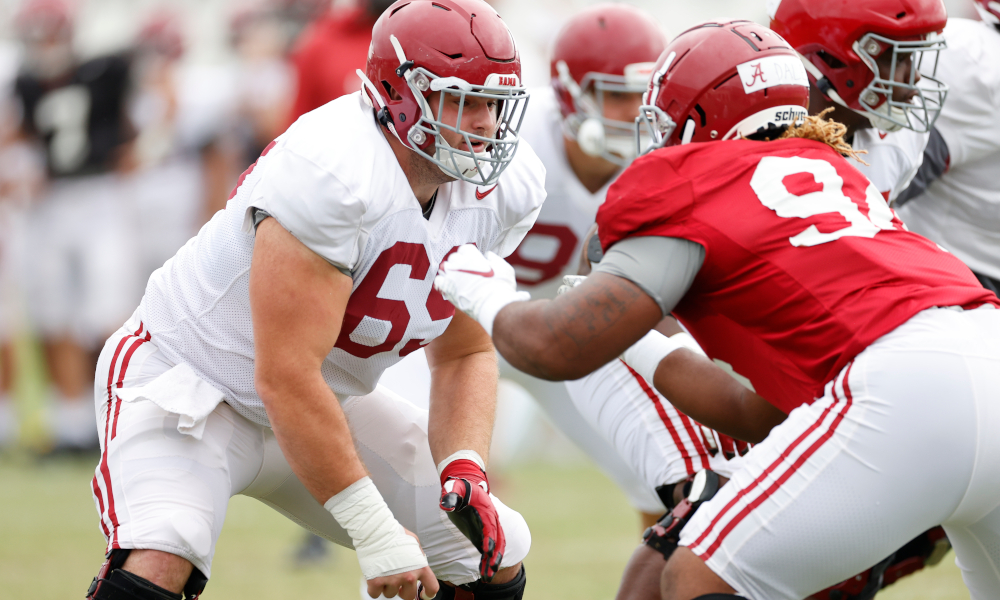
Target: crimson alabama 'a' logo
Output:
[{"x": 758, "y": 71}]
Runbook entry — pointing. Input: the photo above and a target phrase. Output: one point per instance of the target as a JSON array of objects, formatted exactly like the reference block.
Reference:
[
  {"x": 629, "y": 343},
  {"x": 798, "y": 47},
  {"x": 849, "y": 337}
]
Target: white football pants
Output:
[
  {"x": 158, "y": 488},
  {"x": 906, "y": 437}
]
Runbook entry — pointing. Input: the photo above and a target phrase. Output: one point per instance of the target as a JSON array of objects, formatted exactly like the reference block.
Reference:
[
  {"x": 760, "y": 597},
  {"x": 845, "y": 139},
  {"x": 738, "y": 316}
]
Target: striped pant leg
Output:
[
  {"x": 658, "y": 442},
  {"x": 846, "y": 481}
]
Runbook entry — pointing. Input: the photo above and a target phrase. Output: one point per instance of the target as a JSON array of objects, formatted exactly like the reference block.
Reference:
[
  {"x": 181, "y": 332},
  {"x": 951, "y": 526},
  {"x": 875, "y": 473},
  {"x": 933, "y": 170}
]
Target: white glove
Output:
[
  {"x": 570, "y": 282},
  {"x": 478, "y": 285},
  {"x": 382, "y": 545}
]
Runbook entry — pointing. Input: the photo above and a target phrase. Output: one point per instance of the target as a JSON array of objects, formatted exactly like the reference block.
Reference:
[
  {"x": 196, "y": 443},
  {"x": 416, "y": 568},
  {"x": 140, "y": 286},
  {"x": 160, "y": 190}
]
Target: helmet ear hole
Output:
[
  {"x": 832, "y": 61},
  {"x": 391, "y": 92}
]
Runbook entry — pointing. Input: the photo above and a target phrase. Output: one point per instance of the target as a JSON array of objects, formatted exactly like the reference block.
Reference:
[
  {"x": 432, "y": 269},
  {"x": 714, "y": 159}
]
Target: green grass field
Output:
[{"x": 582, "y": 534}]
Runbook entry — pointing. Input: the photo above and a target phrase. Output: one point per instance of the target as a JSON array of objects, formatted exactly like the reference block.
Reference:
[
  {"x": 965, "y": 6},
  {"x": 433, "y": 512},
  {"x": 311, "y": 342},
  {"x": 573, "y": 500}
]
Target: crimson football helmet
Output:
[
  {"x": 46, "y": 28},
  {"x": 989, "y": 11},
  {"x": 462, "y": 49},
  {"x": 161, "y": 34},
  {"x": 721, "y": 80},
  {"x": 608, "y": 47},
  {"x": 840, "y": 44}
]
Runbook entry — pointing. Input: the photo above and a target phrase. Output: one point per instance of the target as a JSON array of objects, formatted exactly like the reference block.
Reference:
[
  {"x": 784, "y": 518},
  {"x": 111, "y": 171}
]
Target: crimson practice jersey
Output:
[{"x": 805, "y": 264}]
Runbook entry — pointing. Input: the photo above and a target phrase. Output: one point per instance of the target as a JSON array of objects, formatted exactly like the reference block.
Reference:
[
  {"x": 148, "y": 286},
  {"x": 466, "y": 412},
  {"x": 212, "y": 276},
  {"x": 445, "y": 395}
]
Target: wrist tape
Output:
[
  {"x": 460, "y": 455},
  {"x": 645, "y": 355},
  {"x": 382, "y": 544},
  {"x": 492, "y": 305},
  {"x": 684, "y": 339}
]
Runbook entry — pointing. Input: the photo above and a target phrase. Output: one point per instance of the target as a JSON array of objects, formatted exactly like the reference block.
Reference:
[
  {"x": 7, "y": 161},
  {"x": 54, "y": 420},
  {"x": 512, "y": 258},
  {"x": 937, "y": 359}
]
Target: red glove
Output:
[
  {"x": 465, "y": 497},
  {"x": 729, "y": 446}
]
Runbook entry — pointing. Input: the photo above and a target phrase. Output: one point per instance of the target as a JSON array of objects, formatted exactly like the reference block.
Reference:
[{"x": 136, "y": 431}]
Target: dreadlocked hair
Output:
[{"x": 831, "y": 133}]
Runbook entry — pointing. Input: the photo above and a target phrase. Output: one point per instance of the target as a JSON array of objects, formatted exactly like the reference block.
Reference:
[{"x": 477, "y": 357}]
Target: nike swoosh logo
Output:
[
  {"x": 881, "y": 136},
  {"x": 481, "y": 195},
  {"x": 482, "y": 273}
]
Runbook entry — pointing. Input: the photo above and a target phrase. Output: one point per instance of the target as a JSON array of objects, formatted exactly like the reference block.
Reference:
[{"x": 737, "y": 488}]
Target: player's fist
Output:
[
  {"x": 406, "y": 584},
  {"x": 465, "y": 496},
  {"x": 569, "y": 282},
  {"x": 479, "y": 285}
]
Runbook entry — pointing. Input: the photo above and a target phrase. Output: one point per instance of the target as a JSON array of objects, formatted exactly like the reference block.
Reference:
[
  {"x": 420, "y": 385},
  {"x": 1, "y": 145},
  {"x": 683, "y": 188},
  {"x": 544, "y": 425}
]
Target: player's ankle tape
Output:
[{"x": 123, "y": 585}]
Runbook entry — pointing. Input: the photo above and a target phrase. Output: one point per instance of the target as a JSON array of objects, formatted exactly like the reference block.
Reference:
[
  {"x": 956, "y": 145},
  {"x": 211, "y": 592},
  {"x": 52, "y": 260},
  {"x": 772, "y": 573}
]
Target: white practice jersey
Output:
[
  {"x": 334, "y": 183},
  {"x": 961, "y": 209},
  {"x": 893, "y": 158},
  {"x": 552, "y": 247}
]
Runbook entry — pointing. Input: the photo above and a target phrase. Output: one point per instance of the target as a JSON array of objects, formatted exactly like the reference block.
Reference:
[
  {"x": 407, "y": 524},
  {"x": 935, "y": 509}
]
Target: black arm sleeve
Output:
[{"x": 936, "y": 159}]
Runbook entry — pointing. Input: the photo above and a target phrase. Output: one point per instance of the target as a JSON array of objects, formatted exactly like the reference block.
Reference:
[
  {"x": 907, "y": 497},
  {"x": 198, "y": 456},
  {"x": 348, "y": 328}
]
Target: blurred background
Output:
[{"x": 194, "y": 90}]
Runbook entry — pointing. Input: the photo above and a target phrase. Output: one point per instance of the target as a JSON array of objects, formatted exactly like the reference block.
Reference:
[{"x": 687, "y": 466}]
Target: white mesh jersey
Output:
[
  {"x": 552, "y": 247},
  {"x": 893, "y": 158},
  {"x": 961, "y": 209},
  {"x": 334, "y": 183}
]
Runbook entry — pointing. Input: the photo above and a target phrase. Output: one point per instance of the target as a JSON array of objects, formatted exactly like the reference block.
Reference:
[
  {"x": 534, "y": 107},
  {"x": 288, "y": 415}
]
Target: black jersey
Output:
[{"x": 80, "y": 118}]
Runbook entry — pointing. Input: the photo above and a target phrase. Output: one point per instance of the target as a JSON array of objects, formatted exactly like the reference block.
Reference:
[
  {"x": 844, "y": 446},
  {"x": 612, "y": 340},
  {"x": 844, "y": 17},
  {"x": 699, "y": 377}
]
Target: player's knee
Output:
[
  {"x": 513, "y": 589},
  {"x": 122, "y": 585},
  {"x": 686, "y": 576}
]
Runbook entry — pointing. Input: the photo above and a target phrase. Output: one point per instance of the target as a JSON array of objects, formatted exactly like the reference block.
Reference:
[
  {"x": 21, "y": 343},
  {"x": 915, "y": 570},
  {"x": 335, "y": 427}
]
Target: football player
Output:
[
  {"x": 582, "y": 127},
  {"x": 181, "y": 161},
  {"x": 785, "y": 262},
  {"x": 854, "y": 57},
  {"x": 252, "y": 363},
  {"x": 954, "y": 198},
  {"x": 82, "y": 276},
  {"x": 20, "y": 180},
  {"x": 847, "y": 56}
]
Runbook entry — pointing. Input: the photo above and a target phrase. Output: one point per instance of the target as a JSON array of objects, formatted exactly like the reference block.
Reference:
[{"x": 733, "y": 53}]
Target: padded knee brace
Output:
[
  {"x": 114, "y": 583},
  {"x": 664, "y": 535},
  {"x": 480, "y": 590},
  {"x": 926, "y": 549}
]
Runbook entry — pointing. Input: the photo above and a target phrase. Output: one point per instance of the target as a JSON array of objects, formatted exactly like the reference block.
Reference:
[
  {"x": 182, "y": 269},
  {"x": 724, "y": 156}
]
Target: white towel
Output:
[{"x": 181, "y": 392}]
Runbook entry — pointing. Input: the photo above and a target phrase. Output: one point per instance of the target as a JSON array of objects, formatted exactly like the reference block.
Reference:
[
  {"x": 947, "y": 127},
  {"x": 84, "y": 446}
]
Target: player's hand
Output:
[
  {"x": 465, "y": 497},
  {"x": 569, "y": 282},
  {"x": 405, "y": 584},
  {"x": 478, "y": 285}
]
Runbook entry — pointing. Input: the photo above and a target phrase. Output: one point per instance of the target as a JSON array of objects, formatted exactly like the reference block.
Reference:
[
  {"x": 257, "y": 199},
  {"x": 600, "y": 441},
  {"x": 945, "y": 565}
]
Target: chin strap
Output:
[{"x": 822, "y": 82}]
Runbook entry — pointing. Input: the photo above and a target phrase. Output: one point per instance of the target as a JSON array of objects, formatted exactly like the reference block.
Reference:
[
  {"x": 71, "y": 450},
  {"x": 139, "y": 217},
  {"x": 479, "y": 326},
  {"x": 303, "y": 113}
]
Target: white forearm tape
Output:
[
  {"x": 492, "y": 306},
  {"x": 645, "y": 355},
  {"x": 684, "y": 339},
  {"x": 382, "y": 544},
  {"x": 462, "y": 454}
]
